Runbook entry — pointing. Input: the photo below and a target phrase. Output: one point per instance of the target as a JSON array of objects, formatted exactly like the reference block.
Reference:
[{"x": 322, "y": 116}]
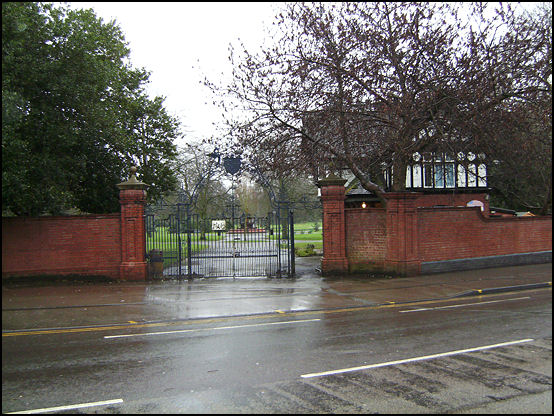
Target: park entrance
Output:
[{"x": 181, "y": 243}]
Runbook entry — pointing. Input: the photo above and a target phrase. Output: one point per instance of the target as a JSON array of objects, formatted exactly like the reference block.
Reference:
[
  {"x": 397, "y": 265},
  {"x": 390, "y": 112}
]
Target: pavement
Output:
[{"x": 41, "y": 303}]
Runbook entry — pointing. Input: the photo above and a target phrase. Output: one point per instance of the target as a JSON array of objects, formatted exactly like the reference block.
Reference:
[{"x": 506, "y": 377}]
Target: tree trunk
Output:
[
  {"x": 547, "y": 199},
  {"x": 399, "y": 166}
]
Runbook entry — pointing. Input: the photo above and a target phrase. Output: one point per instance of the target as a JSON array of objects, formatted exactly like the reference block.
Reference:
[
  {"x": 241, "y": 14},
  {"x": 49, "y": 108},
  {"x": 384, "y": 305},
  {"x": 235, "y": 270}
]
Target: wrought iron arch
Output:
[{"x": 264, "y": 245}]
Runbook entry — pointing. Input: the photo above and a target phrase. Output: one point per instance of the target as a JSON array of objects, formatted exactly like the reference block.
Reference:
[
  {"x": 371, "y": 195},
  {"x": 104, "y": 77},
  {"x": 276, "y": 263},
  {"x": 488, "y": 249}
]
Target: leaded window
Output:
[{"x": 443, "y": 171}]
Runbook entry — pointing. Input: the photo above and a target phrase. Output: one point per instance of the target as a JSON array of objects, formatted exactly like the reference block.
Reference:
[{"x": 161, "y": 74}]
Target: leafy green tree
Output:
[{"x": 75, "y": 115}]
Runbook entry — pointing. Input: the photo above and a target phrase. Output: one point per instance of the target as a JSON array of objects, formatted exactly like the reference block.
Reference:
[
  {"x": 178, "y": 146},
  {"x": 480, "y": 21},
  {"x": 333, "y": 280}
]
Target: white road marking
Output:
[
  {"x": 409, "y": 360},
  {"x": 461, "y": 305},
  {"x": 69, "y": 407},
  {"x": 210, "y": 329}
]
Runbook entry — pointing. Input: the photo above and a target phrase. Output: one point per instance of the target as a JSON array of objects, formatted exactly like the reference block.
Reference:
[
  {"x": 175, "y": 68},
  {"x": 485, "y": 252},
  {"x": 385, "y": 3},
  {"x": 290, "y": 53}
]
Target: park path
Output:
[{"x": 232, "y": 257}]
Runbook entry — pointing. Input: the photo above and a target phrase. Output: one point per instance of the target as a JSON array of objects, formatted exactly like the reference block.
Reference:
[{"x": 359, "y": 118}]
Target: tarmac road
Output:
[{"x": 457, "y": 342}]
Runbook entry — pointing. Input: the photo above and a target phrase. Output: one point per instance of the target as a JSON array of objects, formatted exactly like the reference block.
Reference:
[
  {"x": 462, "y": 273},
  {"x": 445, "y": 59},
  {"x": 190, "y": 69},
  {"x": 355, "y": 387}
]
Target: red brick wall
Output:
[
  {"x": 454, "y": 200},
  {"x": 455, "y": 233},
  {"x": 334, "y": 249},
  {"x": 86, "y": 245},
  {"x": 411, "y": 231},
  {"x": 366, "y": 240}
]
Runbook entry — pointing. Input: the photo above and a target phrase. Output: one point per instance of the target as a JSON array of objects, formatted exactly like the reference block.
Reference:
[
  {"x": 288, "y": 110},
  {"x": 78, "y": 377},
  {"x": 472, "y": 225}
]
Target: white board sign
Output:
[{"x": 218, "y": 225}]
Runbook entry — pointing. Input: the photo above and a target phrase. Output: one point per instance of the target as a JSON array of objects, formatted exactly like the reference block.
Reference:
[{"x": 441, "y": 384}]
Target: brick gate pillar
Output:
[
  {"x": 132, "y": 197},
  {"x": 402, "y": 241},
  {"x": 334, "y": 239}
]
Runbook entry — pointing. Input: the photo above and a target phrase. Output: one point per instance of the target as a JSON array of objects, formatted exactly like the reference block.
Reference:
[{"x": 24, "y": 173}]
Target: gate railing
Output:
[{"x": 182, "y": 244}]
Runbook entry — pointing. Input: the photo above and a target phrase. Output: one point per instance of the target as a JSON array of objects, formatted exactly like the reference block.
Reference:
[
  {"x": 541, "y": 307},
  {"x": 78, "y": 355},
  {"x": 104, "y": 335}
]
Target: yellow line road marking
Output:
[
  {"x": 231, "y": 318},
  {"x": 211, "y": 329}
]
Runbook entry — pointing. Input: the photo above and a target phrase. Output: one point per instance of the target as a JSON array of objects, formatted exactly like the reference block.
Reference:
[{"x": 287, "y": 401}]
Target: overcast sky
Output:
[{"x": 180, "y": 42}]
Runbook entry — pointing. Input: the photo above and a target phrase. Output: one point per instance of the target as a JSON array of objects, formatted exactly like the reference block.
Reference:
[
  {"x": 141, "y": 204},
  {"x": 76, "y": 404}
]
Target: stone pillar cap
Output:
[
  {"x": 331, "y": 180},
  {"x": 132, "y": 183}
]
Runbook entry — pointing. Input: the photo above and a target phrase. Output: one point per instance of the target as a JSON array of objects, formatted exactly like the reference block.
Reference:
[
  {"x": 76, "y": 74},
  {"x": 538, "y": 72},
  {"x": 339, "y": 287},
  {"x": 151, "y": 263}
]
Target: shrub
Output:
[{"x": 305, "y": 252}]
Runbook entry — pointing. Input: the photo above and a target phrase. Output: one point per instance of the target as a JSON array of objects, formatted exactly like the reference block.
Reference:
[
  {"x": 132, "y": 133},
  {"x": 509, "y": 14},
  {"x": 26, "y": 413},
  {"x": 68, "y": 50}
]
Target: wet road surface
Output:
[{"x": 279, "y": 346}]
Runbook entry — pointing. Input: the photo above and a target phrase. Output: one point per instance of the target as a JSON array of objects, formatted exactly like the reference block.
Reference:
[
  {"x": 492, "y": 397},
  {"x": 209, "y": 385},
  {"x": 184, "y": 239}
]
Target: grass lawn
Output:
[
  {"x": 168, "y": 243},
  {"x": 162, "y": 234},
  {"x": 302, "y": 246},
  {"x": 311, "y": 236},
  {"x": 307, "y": 225},
  {"x": 306, "y": 231}
]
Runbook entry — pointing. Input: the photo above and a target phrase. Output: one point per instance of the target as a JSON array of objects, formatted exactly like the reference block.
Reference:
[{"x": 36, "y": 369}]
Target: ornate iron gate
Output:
[{"x": 183, "y": 244}]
